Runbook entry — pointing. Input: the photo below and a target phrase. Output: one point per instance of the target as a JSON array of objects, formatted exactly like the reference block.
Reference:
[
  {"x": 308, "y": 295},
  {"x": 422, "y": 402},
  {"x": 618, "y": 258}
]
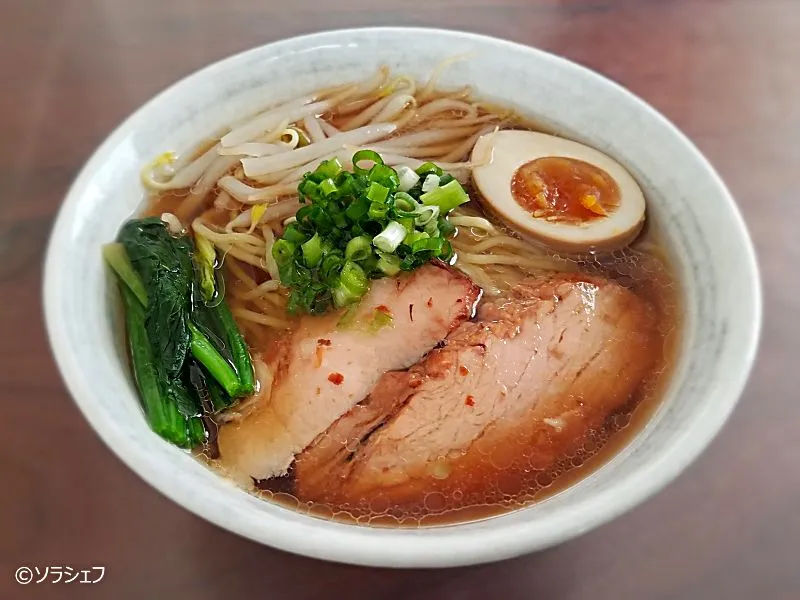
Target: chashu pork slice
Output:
[
  {"x": 507, "y": 394},
  {"x": 331, "y": 362}
]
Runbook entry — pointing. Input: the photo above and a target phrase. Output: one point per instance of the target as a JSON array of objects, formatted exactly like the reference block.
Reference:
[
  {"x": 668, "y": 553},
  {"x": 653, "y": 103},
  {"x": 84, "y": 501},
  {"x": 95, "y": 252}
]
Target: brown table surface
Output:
[{"x": 726, "y": 71}]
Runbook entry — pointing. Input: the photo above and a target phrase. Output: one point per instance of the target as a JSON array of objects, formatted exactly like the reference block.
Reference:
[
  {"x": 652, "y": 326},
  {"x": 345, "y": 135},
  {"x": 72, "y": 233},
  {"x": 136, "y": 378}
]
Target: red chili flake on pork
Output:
[
  {"x": 384, "y": 309},
  {"x": 336, "y": 378},
  {"x": 470, "y": 401},
  {"x": 323, "y": 342},
  {"x": 463, "y": 370}
]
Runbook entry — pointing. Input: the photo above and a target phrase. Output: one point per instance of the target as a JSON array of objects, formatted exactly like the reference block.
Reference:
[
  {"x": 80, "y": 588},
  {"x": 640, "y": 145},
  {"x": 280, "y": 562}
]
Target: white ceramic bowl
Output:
[{"x": 712, "y": 251}]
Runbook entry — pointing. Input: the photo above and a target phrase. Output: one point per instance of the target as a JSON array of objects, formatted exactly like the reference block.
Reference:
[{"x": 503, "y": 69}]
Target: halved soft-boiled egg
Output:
[{"x": 567, "y": 195}]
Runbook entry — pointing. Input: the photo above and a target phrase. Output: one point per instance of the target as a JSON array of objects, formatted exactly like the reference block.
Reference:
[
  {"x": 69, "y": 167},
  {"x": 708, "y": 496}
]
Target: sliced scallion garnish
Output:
[{"x": 355, "y": 226}]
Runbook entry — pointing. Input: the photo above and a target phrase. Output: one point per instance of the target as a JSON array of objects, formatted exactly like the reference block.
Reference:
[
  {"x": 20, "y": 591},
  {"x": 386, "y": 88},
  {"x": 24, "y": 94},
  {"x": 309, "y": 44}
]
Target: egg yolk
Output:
[{"x": 562, "y": 189}]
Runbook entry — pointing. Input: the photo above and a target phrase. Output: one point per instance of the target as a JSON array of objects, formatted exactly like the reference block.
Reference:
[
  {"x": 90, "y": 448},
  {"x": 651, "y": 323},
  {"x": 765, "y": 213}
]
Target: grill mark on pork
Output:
[
  {"x": 586, "y": 365},
  {"x": 336, "y": 447},
  {"x": 364, "y": 438}
]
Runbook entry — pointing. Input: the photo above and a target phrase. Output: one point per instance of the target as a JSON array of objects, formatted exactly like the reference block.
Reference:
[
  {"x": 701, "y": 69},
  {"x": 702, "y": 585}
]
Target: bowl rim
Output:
[{"x": 403, "y": 547}]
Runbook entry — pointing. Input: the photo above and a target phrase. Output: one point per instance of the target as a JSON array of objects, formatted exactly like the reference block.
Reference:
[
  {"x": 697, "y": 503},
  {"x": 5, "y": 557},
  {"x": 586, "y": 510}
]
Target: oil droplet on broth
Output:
[
  {"x": 379, "y": 504},
  {"x": 435, "y": 501}
]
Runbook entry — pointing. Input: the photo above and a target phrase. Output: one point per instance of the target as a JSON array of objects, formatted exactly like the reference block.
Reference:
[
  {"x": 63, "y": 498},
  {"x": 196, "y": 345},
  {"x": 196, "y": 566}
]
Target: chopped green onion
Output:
[
  {"x": 431, "y": 182},
  {"x": 308, "y": 189},
  {"x": 347, "y": 320},
  {"x": 447, "y": 250},
  {"x": 370, "y": 264},
  {"x": 446, "y": 197},
  {"x": 357, "y": 210},
  {"x": 117, "y": 258},
  {"x": 363, "y": 155},
  {"x": 404, "y": 214},
  {"x": 407, "y": 223},
  {"x": 331, "y": 266},
  {"x": 353, "y": 284},
  {"x": 415, "y": 236},
  {"x": 427, "y": 168},
  {"x": 312, "y": 251},
  {"x": 423, "y": 244},
  {"x": 354, "y": 278},
  {"x": 327, "y": 246},
  {"x": 348, "y": 184},
  {"x": 378, "y": 211},
  {"x": 303, "y": 214},
  {"x": 294, "y": 235},
  {"x": 406, "y": 202},
  {"x": 377, "y": 192},
  {"x": 321, "y": 218},
  {"x": 384, "y": 175},
  {"x": 358, "y": 248},
  {"x": 363, "y": 224},
  {"x": 409, "y": 262},
  {"x": 328, "y": 187},
  {"x": 340, "y": 220},
  {"x": 426, "y": 214},
  {"x": 407, "y": 178},
  {"x": 329, "y": 168},
  {"x": 380, "y": 320},
  {"x": 446, "y": 228},
  {"x": 390, "y": 238},
  {"x": 283, "y": 251},
  {"x": 432, "y": 228},
  {"x": 389, "y": 264}
]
